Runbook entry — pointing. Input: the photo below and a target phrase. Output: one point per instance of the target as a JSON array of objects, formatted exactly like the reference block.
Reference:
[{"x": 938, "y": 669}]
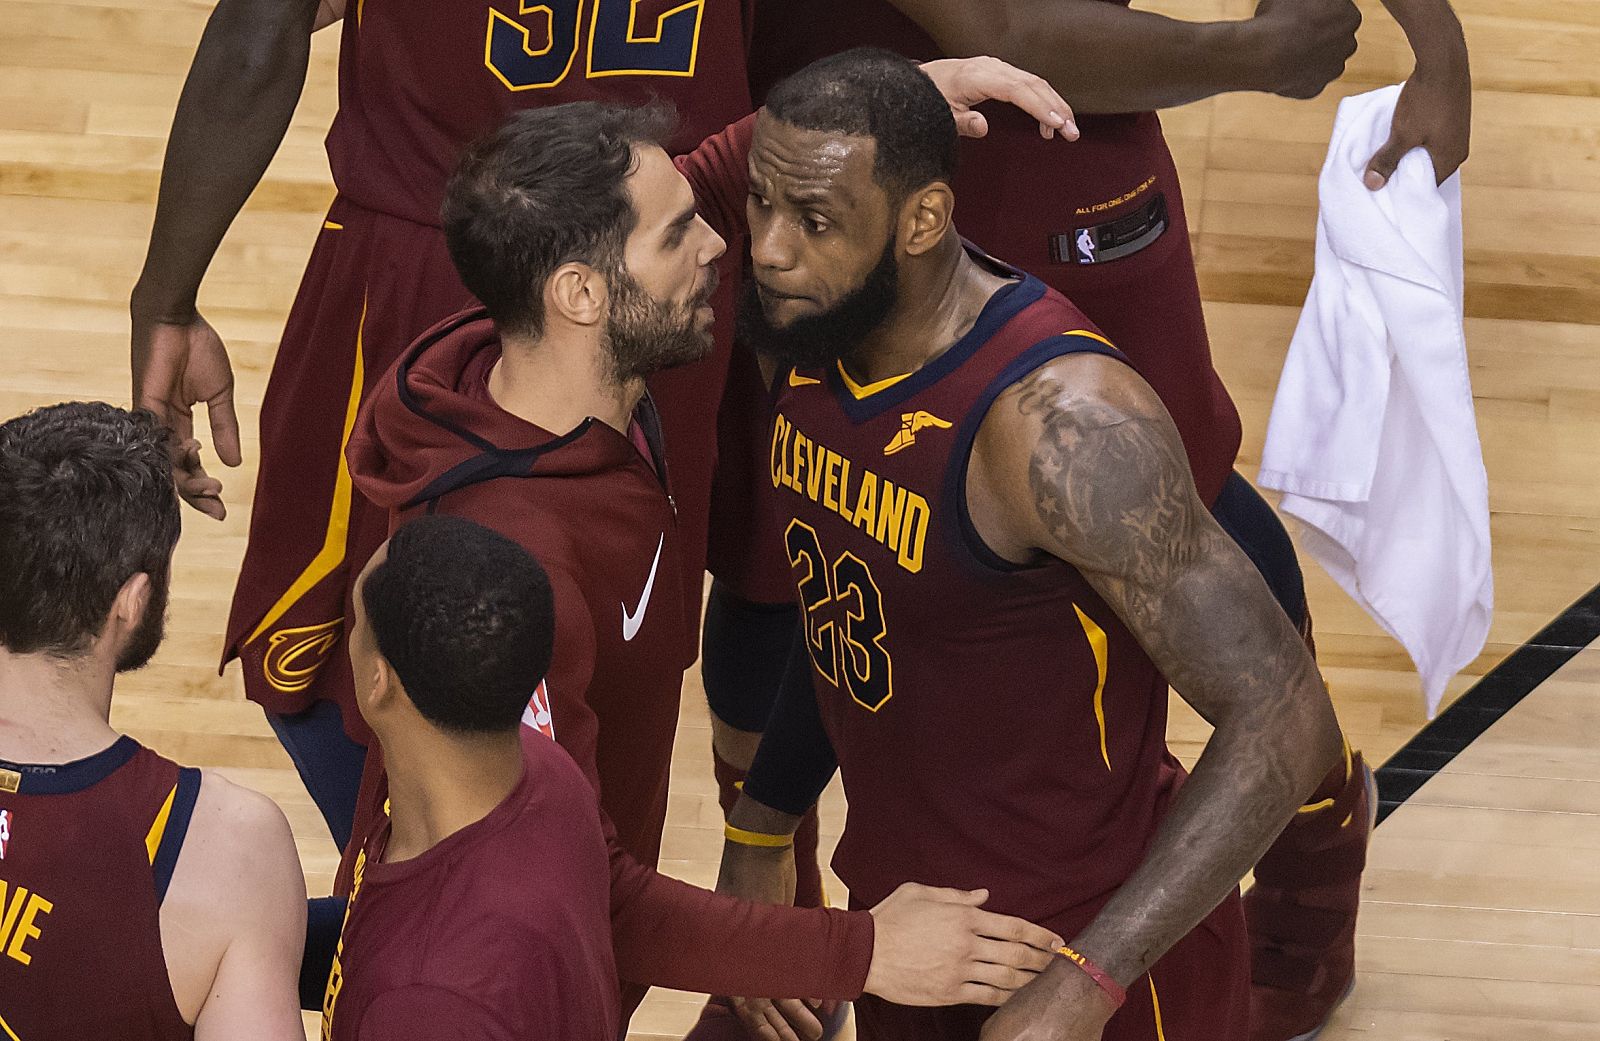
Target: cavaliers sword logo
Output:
[
  {"x": 294, "y": 656},
  {"x": 910, "y": 424}
]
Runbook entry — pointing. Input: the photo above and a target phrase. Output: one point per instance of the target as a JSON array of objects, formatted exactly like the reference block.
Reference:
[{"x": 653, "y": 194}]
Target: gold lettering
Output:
[
  {"x": 816, "y": 458},
  {"x": 26, "y": 929},
  {"x": 915, "y": 533},
  {"x": 780, "y": 443},
  {"x": 796, "y": 469},
  {"x": 843, "y": 503},
  {"x": 11, "y": 910},
  {"x": 891, "y": 509},
  {"x": 866, "y": 503},
  {"x": 830, "y": 482}
]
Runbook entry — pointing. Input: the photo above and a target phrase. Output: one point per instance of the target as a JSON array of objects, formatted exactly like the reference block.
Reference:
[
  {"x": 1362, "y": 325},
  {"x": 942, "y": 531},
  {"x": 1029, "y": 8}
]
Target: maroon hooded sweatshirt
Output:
[{"x": 593, "y": 506}]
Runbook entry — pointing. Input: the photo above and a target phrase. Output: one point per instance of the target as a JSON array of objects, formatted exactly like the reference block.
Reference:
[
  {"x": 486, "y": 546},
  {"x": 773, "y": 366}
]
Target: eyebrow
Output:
[{"x": 684, "y": 219}]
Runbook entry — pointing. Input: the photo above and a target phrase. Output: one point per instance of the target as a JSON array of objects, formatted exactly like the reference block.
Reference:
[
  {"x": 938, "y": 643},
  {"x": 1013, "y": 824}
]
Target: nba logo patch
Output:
[
  {"x": 1086, "y": 246},
  {"x": 537, "y": 715},
  {"x": 5, "y": 832}
]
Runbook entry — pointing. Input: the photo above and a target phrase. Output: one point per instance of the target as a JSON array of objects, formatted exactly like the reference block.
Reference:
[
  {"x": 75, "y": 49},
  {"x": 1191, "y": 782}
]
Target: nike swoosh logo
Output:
[
  {"x": 632, "y": 620},
  {"x": 797, "y": 380}
]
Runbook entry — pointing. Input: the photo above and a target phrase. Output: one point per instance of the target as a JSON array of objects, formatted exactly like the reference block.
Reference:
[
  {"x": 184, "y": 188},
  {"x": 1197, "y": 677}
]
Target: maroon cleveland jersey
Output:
[
  {"x": 419, "y": 79},
  {"x": 86, "y": 852},
  {"x": 1099, "y": 220},
  {"x": 996, "y": 726},
  {"x": 499, "y": 933}
]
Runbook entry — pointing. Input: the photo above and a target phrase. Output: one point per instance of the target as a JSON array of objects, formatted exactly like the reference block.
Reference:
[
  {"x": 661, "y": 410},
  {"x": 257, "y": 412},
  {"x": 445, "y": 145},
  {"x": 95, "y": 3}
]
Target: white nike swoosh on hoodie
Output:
[{"x": 632, "y": 620}]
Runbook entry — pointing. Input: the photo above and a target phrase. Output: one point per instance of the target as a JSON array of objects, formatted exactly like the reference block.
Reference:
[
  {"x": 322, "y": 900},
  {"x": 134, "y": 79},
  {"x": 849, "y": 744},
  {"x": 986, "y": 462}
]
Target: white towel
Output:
[{"x": 1373, "y": 438}]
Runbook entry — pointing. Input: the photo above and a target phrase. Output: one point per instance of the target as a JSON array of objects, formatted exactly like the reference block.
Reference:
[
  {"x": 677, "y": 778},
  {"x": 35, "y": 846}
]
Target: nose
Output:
[
  {"x": 715, "y": 245},
  {"x": 770, "y": 247}
]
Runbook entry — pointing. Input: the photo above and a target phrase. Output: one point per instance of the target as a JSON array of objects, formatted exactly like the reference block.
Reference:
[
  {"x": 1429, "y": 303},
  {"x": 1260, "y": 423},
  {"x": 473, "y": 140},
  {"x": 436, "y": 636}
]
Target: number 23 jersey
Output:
[
  {"x": 996, "y": 726},
  {"x": 421, "y": 79}
]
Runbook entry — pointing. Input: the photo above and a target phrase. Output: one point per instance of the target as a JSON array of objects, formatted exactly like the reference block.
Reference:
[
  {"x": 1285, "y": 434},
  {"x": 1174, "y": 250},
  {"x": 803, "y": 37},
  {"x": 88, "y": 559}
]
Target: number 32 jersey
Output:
[
  {"x": 421, "y": 79},
  {"x": 996, "y": 726}
]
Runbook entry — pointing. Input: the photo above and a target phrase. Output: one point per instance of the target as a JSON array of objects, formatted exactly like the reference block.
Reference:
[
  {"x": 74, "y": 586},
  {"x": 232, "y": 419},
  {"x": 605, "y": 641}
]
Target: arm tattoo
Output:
[{"x": 1111, "y": 494}]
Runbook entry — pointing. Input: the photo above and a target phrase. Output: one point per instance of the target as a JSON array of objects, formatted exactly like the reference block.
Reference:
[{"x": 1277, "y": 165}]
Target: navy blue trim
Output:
[
  {"x": 409, "y": 400},
  {"x": 1041, "y": 353},
  {"x": 76, "y": 776},
  {"x": 177, "y": 829},
  {"x": 492, "y": 462},
  {"x": 1486, "y": 701},
  {"x": 1008, "y": 301}
]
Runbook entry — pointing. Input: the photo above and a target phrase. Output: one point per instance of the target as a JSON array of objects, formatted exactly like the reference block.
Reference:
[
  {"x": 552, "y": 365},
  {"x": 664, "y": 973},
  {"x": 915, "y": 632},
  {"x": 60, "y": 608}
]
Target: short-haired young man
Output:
[
  {"x": 593, "y": 258},
  {"x": 139, "y": 900},
  {"x": 481, "y": 908}
]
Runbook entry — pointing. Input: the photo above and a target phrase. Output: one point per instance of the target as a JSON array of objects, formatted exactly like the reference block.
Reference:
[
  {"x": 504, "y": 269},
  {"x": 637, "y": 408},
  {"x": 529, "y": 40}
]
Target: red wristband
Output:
[{"x": 1110, "y": 986}]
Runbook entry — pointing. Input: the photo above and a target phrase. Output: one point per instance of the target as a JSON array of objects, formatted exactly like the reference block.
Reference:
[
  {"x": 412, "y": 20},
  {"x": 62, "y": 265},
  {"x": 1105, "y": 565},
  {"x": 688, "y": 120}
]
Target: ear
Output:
[
  {"x": 926, "y": 217},
  {"x": 576, "y": 292},
  {"x": 383, "y": 687},
  {"x": 131, "y": 602}
]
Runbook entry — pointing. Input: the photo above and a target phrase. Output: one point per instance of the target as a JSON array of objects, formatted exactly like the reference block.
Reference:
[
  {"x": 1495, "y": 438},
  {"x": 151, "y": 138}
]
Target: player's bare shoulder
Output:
[
  {"x": 1073, "y": 455},
  {"x": 237, "y": 899}
]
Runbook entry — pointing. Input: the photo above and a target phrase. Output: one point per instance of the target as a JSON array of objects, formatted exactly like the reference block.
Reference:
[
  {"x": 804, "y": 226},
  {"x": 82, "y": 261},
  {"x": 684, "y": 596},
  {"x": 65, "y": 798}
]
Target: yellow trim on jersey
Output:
[
  {"x": 757, "y": 838},
  {"x": 329, "y": 225},
  {"x": 858, "y": 391},
  {"x": 158, "y": 827},
  {"x": 1097, "y": 644},
  {"x": 332, "y": 553},
  {"x": 523, "y": 9},
  {"x": 1090, "y": 335},
  {"x": 699, "y": 8},
  {"x": 12, "y": 1034},
  {"x": 1155, "y": 1006},
  {"x": 797, "y": 380},
  {"x": 1315, "y": 806}
]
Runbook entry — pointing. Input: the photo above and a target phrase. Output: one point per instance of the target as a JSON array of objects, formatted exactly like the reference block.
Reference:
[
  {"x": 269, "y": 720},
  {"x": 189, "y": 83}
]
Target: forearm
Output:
[
  {"x": 246, "y": 78},
  {"x": 671, "y": 934},
  {"x": 1102, "y": 57},
  {"x": 1434, "y": 32},
  {"x": 1258, "y": 768},
  {"x": 795, "y": 760}
]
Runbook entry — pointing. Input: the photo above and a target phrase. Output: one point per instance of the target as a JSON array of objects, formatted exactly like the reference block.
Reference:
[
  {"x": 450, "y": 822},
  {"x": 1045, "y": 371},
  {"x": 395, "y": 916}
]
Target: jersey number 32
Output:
[{"x": 540, "y": 50}]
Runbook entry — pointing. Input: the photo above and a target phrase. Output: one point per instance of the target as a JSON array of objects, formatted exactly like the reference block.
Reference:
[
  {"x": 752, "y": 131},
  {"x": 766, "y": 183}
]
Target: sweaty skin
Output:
[
  {"x": 1108, "y": 58},
  {"x": 1080, "y": 461}
]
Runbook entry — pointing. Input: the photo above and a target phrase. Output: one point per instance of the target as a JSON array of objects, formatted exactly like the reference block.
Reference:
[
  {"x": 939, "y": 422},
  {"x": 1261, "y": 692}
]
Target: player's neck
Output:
[
  {"x": 54, "y": 711},
  {"x": 441, "y": 784},
  {"x": 941, "y": 296},
  {"x": 556, "y": 385}
]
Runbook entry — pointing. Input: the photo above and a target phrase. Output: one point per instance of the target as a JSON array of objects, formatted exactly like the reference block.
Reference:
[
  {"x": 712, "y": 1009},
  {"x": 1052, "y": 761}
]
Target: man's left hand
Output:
[
  {"x": 1434, "y": 112},
  {"x": 966, "y": 82},
  {"x": 1063, "y": 1004}
]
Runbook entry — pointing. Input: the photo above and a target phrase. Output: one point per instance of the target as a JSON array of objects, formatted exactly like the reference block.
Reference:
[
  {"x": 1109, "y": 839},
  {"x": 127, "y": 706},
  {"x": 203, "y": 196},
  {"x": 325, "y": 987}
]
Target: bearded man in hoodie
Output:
[{"x": 592, "y": 253}]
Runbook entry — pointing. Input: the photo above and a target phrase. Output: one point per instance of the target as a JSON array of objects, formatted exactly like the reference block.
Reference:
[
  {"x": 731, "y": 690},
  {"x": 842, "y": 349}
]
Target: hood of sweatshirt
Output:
[{"x": 425, "y": 431}]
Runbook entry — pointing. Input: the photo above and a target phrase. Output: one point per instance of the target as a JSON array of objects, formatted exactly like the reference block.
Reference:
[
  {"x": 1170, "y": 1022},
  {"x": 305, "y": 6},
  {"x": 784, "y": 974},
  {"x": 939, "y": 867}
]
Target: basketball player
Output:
[
  {"x": 139, "y": 900},
  {"x": 481, "y": 908},
  {"x": 1104, "y": 224},
  {"x": 418, "y": 79},
  {"x": 530, "y": 415},
  {"x": 1000, "y": 553}
]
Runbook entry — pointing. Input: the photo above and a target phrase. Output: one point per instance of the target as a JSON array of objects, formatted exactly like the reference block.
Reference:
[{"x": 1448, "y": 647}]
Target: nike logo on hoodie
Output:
[{"x": 632, "y": 620}]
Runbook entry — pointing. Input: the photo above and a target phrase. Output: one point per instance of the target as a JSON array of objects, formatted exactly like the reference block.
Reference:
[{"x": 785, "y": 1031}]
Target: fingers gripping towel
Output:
[{"x": 1373, "y": 440}]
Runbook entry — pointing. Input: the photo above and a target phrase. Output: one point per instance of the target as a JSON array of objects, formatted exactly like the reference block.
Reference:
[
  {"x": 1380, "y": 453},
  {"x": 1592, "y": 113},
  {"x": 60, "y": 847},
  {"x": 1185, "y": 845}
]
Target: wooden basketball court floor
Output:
[{"x": 1482, "y": 914}]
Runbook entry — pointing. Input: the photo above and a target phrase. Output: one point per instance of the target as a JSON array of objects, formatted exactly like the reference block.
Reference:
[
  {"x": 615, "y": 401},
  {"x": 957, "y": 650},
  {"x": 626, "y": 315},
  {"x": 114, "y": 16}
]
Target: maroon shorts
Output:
[
  {"x": 1198, "y": 991},
  {"x": 374, "y": 284}
]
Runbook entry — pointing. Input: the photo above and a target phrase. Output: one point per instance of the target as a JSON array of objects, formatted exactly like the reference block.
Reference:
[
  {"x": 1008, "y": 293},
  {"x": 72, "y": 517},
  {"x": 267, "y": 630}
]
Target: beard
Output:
[
  {"x": 645, "y": 335},
  {"x": 151, "y": 630},
  {"x": 830, "y": 336}
]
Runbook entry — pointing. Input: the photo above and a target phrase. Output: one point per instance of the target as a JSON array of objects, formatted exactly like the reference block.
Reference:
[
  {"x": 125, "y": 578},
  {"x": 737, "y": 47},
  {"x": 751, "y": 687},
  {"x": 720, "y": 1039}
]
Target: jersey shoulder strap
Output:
[{"x": 165, "y": 838}]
